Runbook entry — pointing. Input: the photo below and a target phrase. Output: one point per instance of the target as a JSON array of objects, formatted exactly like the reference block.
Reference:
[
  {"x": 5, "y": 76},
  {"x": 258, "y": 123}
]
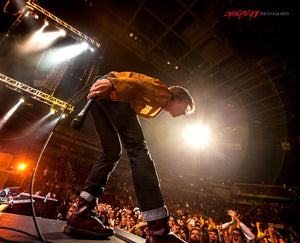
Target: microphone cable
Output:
[{"x": 42, "y": 239}]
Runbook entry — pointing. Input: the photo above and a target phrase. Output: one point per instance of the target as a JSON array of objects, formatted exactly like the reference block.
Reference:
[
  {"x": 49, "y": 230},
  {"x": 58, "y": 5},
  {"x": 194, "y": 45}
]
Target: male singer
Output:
[{"x": 121, "y": 97}]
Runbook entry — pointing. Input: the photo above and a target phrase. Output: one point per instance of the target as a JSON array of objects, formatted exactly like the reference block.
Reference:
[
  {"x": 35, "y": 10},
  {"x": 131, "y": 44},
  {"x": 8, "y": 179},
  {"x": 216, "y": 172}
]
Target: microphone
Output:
[{"x": 78, "y": 121}]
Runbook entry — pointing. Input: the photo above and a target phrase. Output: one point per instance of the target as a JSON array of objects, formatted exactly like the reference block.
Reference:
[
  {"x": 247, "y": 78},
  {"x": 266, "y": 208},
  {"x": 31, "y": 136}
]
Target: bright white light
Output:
[
  {"x": 22, "y": 166},
  {"x": 197, "y": 135},
  {"x": 66, "y": 53},
  {"x": 62, "y": 32},
  {"x": 84, "y": 45},
  {"x": 41, "y": 40}
]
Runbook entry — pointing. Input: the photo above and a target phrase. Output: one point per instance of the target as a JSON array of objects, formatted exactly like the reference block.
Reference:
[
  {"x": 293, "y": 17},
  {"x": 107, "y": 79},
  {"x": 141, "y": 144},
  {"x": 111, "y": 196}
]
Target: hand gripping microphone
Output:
[{"x": 78, "y": 121}]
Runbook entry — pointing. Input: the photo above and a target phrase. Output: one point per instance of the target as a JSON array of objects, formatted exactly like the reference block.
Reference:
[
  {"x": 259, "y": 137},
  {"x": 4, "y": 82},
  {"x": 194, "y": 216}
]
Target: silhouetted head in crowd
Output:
[{"x": 195, "y": 235}]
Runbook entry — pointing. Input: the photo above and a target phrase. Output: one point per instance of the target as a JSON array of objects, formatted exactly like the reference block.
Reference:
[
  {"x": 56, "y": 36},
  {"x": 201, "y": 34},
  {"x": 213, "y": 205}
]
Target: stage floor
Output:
[{"x": 20, "y": 228}]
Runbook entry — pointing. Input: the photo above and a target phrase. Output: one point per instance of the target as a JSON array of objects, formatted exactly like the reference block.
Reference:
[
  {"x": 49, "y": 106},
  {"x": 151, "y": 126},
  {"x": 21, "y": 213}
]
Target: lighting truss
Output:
[
  {"x": 31, "y": 5},
  {"x": 36, "y": 94}
]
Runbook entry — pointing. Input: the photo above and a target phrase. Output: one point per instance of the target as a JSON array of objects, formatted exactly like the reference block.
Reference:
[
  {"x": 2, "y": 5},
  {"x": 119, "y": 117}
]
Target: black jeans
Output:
[{"x": 115, "y": 121}]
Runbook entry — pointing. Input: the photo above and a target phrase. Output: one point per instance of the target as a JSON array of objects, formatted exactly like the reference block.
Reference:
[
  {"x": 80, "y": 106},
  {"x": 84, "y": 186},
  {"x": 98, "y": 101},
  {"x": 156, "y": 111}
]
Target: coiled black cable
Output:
[{"x": 42, "y": 239}]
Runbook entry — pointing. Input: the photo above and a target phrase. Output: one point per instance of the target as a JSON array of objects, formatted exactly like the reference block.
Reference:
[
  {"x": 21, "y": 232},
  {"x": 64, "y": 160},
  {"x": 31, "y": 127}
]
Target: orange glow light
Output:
[{"x": 22, "y": 166}]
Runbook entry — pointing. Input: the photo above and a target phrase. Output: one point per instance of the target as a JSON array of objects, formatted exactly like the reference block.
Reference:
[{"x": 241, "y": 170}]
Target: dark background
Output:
[{"x": 242, "y": 73}]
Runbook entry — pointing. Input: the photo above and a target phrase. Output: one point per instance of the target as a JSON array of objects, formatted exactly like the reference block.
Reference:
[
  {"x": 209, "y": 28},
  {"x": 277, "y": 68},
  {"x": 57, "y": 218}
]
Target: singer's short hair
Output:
[{"x": 182, "y": 95}]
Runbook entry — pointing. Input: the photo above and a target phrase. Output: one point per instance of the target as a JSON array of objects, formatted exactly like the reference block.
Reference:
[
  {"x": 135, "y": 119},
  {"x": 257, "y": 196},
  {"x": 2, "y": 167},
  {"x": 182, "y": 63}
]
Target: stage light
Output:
[
  {"x": 63, "y": 54},
  {"x": 22, "y": 166},
  {"x": 3, "y": 207},
  {"x": 10, "y": 112},
  {"x": 83, "y": 45},
  {"x": 62, "y": 32},
  {"x": 40, "y": 40},
  {"x": 53, "y": 110},
  {"x": 197, "y": 135}
]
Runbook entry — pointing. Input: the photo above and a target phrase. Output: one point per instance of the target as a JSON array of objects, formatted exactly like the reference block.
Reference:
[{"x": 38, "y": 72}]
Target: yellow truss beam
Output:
[{"x": 35, "y": 94}]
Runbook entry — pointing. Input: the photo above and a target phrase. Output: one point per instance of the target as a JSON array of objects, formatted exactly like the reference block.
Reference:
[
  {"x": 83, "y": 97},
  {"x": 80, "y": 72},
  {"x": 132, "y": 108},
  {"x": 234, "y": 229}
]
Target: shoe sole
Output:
[{"x": 68, "y": 229}]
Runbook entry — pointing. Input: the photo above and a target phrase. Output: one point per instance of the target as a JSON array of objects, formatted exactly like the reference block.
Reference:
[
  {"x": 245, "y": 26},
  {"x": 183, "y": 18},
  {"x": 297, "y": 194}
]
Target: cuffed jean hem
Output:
[
  {"x": 88, "y": 197},
  {"x": 155, "y": 214}
]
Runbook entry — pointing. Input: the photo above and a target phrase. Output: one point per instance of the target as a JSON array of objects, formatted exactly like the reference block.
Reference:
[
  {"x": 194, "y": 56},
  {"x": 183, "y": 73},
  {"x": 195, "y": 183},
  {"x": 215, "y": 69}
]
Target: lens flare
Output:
[{"x": 197, "y": 135}]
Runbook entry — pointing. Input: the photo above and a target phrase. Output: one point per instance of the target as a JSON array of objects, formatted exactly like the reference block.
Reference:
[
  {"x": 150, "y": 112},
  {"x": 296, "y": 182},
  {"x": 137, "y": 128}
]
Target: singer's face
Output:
[{"x": 177, "y": 108}]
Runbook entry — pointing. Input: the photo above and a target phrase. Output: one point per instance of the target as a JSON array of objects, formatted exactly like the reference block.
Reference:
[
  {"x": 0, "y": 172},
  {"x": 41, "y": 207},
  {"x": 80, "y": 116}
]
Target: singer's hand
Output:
[{"x": 100, "y": 89}]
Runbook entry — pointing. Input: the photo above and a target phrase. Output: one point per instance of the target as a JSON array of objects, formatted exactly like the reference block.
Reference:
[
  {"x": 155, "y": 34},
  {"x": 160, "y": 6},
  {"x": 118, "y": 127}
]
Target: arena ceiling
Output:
[
  {"x": 196, "y": 44},
  {"x": 237, "y": 58}
]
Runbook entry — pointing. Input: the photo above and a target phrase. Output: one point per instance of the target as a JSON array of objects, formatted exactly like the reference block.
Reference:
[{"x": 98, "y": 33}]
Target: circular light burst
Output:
[
  {"x": 197, "y": 135},
  {"x": 22, "y": 166}
]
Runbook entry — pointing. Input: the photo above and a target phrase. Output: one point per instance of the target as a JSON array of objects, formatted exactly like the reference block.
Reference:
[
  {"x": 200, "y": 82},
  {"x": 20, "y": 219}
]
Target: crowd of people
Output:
[
  {"x": 191, "y": 228},
  {"x": 198, "y": 222},
  {"x": 194, "y": 217}
]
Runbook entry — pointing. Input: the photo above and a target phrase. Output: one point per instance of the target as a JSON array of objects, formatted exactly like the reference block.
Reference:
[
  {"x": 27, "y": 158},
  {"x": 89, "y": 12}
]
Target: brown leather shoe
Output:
[
  {"x": 84, "y": 222},
  {"x": 159, "y": 232}
]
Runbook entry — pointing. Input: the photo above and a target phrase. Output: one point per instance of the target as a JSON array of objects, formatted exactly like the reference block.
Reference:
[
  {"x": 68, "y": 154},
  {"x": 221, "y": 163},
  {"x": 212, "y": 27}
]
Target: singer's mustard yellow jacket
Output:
[{"x": 148, "y": 96}]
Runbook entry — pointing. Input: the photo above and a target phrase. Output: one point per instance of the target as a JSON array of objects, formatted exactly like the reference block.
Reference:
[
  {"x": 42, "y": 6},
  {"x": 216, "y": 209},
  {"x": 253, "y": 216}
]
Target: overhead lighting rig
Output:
[
  {"x": 36, "y": 94},
  {"x": 33, "y": 6}
]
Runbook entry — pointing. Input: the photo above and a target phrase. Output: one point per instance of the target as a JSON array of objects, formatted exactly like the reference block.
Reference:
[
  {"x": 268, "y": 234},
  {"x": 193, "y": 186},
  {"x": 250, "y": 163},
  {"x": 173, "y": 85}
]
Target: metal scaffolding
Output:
[
  {"x": 33, "y": 6},
  {"x": 36, "y": 94},
  {"x": 54, "y": 76}
]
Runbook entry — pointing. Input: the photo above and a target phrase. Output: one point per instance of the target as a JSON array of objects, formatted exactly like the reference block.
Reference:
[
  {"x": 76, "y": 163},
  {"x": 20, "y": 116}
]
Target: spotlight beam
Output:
[
  {"x": 65, "y": 53},
  {"x": 32, "y": 5},
  {"x": 37, "y": 124},
  {"x": 40, "y": 40},
  {"x": 10, "y": 113},
  {"x": 35, "y": 94}
]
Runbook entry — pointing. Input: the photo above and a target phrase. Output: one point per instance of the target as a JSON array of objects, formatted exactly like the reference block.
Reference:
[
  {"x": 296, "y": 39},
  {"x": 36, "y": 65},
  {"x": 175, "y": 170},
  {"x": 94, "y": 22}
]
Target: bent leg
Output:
[{"x": 144, "y": 174}]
